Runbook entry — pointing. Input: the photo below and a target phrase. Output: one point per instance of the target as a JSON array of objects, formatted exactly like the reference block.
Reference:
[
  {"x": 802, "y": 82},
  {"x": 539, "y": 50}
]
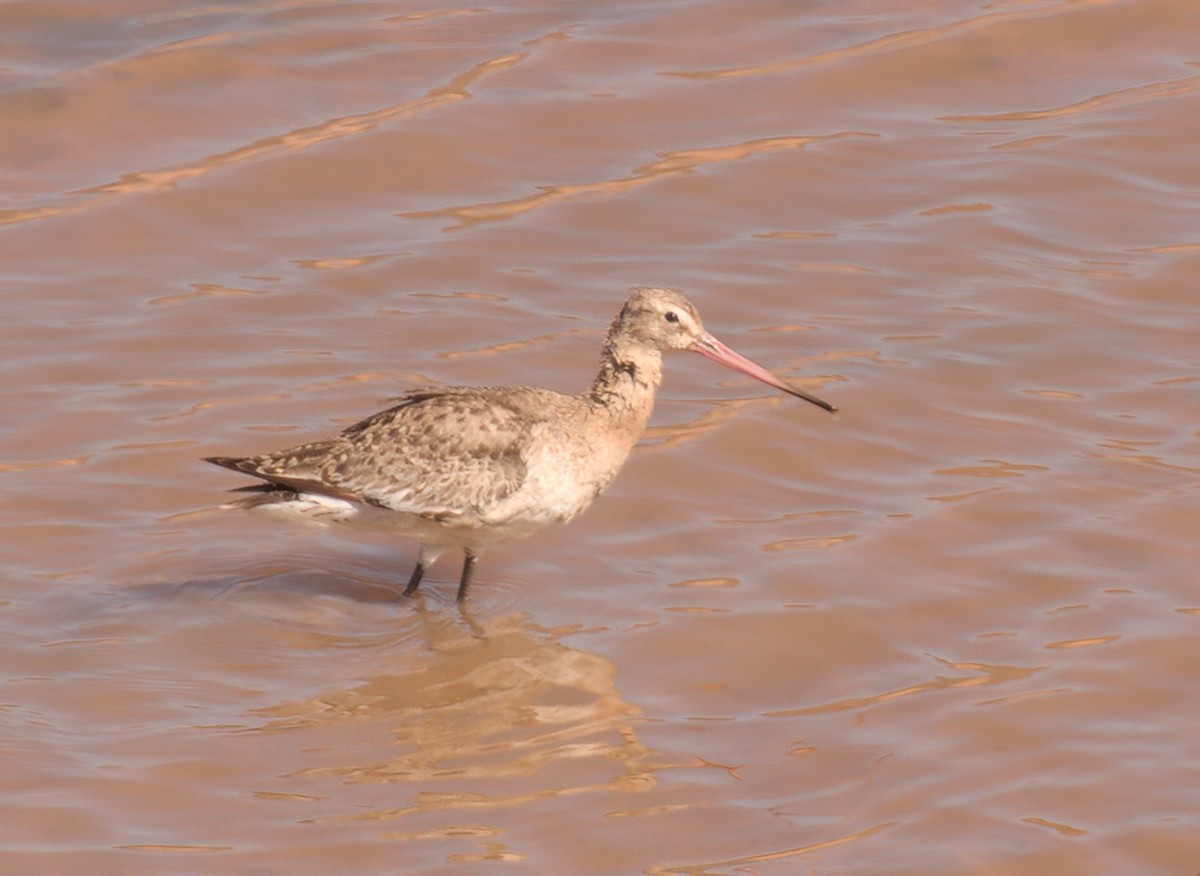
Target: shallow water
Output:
[{"x": 951, "y": 630}]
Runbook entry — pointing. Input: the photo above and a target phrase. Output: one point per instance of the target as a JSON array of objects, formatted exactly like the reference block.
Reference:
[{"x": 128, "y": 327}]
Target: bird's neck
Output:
[{"x": 630, "y": 374}]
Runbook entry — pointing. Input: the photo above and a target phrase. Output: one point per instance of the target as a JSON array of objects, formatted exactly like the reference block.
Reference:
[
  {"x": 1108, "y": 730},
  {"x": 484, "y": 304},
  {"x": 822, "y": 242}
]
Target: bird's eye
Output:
[{"x": 671, "y": 316}]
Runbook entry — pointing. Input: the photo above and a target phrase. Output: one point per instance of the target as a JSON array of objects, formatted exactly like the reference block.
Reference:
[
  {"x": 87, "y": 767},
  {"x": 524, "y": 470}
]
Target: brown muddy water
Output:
[{"x": 954, "y": 630}]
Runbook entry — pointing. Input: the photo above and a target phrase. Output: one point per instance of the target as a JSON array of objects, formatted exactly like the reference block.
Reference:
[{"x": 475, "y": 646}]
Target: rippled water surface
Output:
[{"x": 951, "y": 631}]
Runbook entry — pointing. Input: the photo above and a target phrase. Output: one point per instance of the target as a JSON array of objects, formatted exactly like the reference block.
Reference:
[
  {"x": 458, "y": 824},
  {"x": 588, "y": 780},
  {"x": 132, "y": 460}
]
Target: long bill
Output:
[{"x": 711, "y": 348}]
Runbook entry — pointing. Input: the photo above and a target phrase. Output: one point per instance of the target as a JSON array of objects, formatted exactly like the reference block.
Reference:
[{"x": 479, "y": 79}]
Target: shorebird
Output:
[{"x": 464, "y": 467}]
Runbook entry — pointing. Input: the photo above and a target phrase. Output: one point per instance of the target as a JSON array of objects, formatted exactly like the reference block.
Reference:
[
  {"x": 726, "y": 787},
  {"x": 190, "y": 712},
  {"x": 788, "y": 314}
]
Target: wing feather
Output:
[{"x": 438, "y": 453}]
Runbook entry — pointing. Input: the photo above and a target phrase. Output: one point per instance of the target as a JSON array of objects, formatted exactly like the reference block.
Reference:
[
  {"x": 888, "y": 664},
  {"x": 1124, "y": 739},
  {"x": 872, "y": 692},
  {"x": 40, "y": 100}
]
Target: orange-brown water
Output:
[{"x": 952, "y": 631}]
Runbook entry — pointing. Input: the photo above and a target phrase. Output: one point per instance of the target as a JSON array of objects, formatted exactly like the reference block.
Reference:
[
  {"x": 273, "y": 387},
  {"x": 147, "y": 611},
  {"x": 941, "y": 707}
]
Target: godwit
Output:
[{"x": 465, "y": 466}]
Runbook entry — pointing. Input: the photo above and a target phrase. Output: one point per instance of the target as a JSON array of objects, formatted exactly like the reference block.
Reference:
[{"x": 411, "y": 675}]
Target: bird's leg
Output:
[
  {"x": 429, "y": 553},
  {"x": 464, "y": 583},
  {"x": 415, "y": 581}
]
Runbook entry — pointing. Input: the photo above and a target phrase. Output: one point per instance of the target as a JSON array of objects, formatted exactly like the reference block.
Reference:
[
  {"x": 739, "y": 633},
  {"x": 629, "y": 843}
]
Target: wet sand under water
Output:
[{"x": 951, "y": 631}]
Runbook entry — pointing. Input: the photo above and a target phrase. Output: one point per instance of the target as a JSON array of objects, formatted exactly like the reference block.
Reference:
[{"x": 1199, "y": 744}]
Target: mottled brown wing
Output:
[
  {"x": 295, "y": 469},
  {"x": 438, "y": 453}
]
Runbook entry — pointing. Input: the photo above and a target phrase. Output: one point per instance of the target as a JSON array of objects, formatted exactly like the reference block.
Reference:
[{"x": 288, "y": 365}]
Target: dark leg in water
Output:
[
  {"x": 464, "y": 582},
  {"x": 415, "y": 581}
]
